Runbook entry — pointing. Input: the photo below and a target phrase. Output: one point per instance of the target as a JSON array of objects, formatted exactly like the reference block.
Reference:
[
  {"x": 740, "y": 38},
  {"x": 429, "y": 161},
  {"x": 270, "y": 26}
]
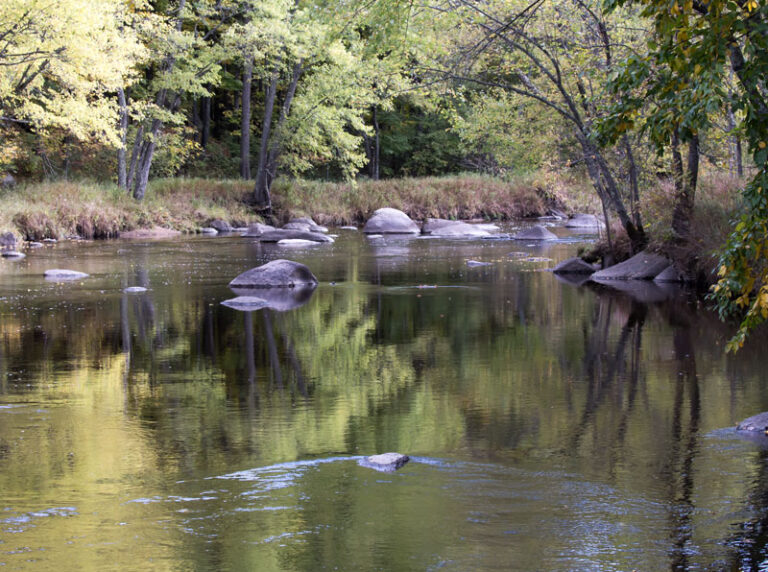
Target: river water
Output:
[{"x": 552, "y": 426}]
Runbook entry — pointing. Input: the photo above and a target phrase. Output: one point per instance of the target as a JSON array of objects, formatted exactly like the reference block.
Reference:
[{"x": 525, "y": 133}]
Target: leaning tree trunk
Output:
[
  {"x": 376, "y": 145},
  {"x": 245, "y": 121}
]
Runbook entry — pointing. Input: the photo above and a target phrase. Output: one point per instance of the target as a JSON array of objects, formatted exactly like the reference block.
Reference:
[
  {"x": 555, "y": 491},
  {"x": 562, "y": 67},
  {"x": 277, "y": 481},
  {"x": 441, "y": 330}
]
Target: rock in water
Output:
[
  {"x": 449, "y": 228},
  {"x": 209, "y": 230},
  {"x": 386, "y": 462},
  {"x": 276, "y": 274},
  {"x": 283, "y": 234},
  {"x": 60, "y": 274},
  {"x": 584, "y": 221},
  {"x": 474, "y": 263},
  {"x": 573, "y": 265},
  {"x": 134, "y": 289},
  {"x": 13, "y": 254},
  {"x": 257, "y": 229},
  {"x": 756, "y": 423},
  {"x": 390, "y": 221},
  {"x": 642, "y": 266},
  {"x": 221, "y": 225},
  {"x": 535, "y": 233}
]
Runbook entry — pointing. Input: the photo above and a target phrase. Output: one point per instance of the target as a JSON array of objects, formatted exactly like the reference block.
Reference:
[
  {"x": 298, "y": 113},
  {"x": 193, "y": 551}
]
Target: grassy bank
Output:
[{"x": 91, "y": 210}]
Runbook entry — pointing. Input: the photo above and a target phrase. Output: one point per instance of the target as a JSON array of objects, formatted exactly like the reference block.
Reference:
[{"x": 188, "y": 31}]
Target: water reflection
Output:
[{"x": 566, "y": 427}]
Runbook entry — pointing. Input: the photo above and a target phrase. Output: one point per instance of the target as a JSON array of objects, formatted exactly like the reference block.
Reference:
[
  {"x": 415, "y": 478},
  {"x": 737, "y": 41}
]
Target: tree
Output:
[
  {"x": 700, "y": 45},
  {"x": 62, "y": 62},
  {"x": 555, "y": 54}
]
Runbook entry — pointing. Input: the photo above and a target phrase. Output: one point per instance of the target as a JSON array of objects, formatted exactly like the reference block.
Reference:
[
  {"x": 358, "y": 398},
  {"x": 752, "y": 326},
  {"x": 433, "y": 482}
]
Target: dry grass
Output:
[
  {"x": 91, "y": 210},
  {"x": 453, "y": 197}
]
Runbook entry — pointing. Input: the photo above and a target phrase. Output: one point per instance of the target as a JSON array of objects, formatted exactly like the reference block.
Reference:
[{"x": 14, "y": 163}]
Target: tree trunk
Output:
[
  {"x": 634, "y": 186},
  {"x": 736, "y": 162},
  {"x": 145, "y": 161},
  {"x": 685, "y": 185},
  {"x": 245, "y": 121},
  {"x": 205, "y": 131},
  {"x": 134, "y": 157},
  {"x": 376, "y": 144},
  {"x": 122, "y": 168},
  {"x": 261, "y": 191}
]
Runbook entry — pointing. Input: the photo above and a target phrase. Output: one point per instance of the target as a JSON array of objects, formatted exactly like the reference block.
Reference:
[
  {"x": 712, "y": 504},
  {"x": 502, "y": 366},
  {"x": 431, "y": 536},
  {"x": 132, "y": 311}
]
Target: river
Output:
[{"x": 551, "y": 425}]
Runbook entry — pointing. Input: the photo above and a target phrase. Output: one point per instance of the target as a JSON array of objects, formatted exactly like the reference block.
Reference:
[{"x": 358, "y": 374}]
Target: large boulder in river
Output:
[
  {"x": 642, "y": 266},
  {"x": 276, "y": 274},
  {"x": 756, "y": 423},
  {"x": 282, "y": 234},
  {"x": 390, "y": 221},
  {"x": 535, "y": 233},
  {"x": 672, "y": 274},
  {"x": 386, "y": 462},
  {"x": 452, "y": 228}
]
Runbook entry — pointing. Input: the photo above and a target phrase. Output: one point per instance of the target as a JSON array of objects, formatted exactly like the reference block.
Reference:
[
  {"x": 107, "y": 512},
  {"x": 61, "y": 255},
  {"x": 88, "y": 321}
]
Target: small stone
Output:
[
  {"x": 13, "y": 254},
  {"x": 35, "y": 244},
  {"x": 386, "y": 462},
  {"x": 208, "y": 230},
  {"x": 473, "y": 263},
  {"x": 347, "y": 227},
  {"x": 50, "y": 240},
  {"x": 296, "y": 242},
  {"x": 59, "y": 274},
  {"x": 221, "y": 226},
  {"x": 134, "y": 289}
]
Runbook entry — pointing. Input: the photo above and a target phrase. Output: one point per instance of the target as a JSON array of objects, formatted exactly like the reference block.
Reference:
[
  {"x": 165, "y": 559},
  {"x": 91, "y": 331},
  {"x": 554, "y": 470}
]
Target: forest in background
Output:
[{"x": 644, "y": 99}]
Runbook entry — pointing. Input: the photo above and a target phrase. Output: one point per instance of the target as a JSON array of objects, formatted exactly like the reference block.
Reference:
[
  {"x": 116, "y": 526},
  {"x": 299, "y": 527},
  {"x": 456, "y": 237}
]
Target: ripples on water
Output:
[{"x": 551, "y": 425}]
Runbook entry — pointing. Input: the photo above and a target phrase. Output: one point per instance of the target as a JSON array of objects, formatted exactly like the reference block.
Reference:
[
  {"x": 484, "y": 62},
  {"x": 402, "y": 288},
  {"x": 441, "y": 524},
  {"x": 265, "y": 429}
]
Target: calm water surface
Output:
[{"x": 552, "y": 426}]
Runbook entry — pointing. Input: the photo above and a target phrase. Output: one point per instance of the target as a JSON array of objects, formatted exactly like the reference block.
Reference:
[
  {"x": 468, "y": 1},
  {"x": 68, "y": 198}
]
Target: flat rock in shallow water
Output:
[
  {"x": 642, "y": 266},
  {"x": 276, "y": 274},
  {"x": 535, "y": 233},
  {"x": 386, "y": 462},
  {"x": 13, "y": 254},
  {"x": 63, "y": 274},
  {"x": 134, "y": 289},
  {"x": 280, "y": 299},
  {"x": 449, "y": 228},
  {"x": 473, "y": 263},
  {"x": 348, "y": 227},
  {"x": 209, "y": 230},
  {"x": 257, "y": 229},
  {"x": 296, "y": 242},
  {"x": 756, "y": 423},
  {"x": 280, "y": 234}
]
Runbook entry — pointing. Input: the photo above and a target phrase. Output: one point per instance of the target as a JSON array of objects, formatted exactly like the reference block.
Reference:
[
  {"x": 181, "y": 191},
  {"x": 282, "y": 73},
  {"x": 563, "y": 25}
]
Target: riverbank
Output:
[{"x": 92, "y": 210}]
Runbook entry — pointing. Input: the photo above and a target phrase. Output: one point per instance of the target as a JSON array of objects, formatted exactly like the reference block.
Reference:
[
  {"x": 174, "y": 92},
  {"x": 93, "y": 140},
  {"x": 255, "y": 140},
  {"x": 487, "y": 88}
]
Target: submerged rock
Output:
[
  {"x": 473, "y": 263},
  {"x": 642, "y": 266},
  {"x": 59, "y": 274},
  {"x": 535, "y": 233},
  {"x": 756, "y": 423},
  {"x": 390, "y": 221},
  {"x": 386, "y": 462},
  {"x": 573, "y": 265},
  {"x": 276, "y": 274},
  {"x": 281, "y": 234},
  {"x": 13, "y": 254}
]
